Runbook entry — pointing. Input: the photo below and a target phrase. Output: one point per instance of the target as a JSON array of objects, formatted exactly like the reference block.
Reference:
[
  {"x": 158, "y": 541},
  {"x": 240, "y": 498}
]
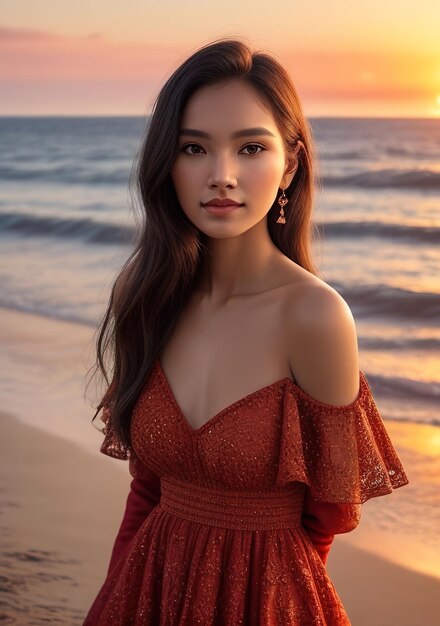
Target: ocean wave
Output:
[
  {"x": 393, "y": 232},
  {"x": 362, "y": 155},
  {"x": 71, "y": 174},
  {"x": 400, "y": 388},
  {"x": 427, "y": 344},
  {"x": 423, "y": 179},
  {"x": 432, "y": 422},
  {"x": 385, "y": 301},
  {"x": 87, "y": 229},
  {"x": 409, "y": 151},
  {"x": 344, "y": 155}
]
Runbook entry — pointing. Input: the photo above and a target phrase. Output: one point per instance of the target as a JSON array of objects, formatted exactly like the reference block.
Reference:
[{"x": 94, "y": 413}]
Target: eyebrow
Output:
[{"x": 246, "y": 132}]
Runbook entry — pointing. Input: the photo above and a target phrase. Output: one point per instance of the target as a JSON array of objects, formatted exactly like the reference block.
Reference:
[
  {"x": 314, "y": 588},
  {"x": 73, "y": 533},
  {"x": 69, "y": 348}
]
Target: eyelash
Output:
[{"x": 249, "y": 144}]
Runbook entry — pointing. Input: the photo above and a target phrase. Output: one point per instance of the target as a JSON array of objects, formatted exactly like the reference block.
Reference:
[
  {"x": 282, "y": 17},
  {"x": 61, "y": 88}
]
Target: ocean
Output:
[
  {"x": 65, "y": 219},
  {"x": 66, "y": 228}
]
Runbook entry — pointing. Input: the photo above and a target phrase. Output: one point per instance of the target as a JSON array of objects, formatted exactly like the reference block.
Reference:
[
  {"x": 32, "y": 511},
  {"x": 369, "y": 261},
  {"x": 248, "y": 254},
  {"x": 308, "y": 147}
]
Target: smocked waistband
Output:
[{"x": 225, "y": 508}]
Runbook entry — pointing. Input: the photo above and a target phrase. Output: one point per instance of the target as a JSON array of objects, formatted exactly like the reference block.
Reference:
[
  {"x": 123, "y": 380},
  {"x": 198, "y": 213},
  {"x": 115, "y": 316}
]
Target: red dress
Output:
[{"x": 231, "y": 523}]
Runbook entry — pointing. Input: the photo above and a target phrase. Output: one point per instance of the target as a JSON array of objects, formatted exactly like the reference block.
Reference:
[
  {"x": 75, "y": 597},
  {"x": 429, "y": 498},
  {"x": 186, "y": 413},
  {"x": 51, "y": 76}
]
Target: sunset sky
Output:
[{"x": 102, "y": 57}]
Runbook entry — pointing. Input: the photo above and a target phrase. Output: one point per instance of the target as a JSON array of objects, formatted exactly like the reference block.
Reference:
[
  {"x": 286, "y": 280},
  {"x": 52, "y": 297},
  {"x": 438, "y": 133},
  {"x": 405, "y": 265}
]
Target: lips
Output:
[{"x": 221, "y": 202}]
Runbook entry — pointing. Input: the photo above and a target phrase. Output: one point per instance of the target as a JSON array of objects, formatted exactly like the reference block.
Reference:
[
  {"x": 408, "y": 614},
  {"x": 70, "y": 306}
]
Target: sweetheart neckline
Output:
[
  {"x": 323, "y": 405},
  {"x": 223, "y": 411}
]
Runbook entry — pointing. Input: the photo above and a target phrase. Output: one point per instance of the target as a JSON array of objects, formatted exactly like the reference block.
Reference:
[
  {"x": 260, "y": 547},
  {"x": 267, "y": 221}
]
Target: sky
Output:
[{"x": 110, "y": 57}]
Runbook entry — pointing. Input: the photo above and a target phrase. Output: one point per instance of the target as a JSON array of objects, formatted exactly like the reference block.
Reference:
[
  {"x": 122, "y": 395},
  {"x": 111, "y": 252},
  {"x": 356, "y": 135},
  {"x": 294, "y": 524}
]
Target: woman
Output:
[{"x": 251, "y": 434}]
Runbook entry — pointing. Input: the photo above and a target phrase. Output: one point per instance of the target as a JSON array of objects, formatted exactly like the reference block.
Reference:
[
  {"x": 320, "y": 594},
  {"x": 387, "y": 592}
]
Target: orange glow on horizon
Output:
[{"x": 45, "y": 73}]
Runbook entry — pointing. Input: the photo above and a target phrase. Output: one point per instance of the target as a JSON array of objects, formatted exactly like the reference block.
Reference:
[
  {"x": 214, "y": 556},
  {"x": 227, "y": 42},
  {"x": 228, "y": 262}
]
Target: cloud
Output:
[
  {"x": 94, "y": 36},
  {"x": 22, "y": 34},
  {"x": 31, "y": 55}
]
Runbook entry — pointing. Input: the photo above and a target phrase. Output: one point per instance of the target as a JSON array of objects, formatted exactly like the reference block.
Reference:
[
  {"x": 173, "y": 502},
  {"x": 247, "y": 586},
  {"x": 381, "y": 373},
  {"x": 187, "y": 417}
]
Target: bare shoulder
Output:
[{"x": 322, "y": 342}]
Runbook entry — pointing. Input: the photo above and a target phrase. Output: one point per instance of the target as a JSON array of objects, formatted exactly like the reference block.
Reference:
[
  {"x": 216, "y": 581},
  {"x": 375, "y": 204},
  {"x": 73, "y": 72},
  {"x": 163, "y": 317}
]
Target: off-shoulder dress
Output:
[{"x": 231, "y": 523}]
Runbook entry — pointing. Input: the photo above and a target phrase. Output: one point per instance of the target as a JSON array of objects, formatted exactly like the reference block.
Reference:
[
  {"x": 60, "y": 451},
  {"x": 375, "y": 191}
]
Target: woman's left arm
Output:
[
  {"x": 144, "y": 495},
  {"x": 323, "y": 520},
  {"x": 324, "y": 333}
]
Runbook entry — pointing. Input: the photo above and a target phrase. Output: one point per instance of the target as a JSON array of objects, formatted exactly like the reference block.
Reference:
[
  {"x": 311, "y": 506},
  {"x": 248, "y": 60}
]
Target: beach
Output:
[{"x": 62, "y": 501}]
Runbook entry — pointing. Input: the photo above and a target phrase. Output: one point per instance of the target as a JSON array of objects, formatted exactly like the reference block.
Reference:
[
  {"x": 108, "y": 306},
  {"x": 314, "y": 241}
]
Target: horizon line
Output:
[{"x": 132, "y": 115}]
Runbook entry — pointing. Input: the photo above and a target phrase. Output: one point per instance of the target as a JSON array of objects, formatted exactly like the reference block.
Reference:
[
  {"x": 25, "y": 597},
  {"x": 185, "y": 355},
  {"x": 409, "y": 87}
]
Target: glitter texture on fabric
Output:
[{"x": 232, "y": 523}]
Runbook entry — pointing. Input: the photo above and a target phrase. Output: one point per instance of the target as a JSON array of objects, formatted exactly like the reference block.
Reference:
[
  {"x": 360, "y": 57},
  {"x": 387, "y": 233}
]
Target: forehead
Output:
[{"x": 227, "y": 106}]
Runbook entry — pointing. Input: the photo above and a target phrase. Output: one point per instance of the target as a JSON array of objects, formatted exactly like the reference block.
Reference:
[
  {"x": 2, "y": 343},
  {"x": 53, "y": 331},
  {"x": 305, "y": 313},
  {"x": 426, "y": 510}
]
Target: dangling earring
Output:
[{"x": 282, "y": 201}]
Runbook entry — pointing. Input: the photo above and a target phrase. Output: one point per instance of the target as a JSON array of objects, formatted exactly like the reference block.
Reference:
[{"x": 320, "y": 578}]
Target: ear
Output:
[{"x": 291, "y": 167}]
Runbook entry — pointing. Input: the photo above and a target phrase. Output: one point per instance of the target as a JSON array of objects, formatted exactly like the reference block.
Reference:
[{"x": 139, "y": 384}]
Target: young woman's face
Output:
[{"x": 248, "y": 169}]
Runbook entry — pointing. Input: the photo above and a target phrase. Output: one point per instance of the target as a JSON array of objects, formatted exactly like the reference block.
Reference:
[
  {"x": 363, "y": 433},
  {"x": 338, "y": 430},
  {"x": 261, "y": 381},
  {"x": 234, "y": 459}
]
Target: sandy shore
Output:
[{"x": 61, "y": 508}]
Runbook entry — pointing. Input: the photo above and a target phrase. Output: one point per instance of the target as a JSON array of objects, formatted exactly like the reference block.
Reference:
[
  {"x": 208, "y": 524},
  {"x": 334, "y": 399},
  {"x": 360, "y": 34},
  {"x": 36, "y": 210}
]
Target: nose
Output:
[{"x": 222, "y": 174}]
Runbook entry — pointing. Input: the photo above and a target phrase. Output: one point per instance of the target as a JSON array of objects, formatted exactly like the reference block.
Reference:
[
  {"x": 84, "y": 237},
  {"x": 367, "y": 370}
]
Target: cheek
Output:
[{"x": 267, "y": 176}]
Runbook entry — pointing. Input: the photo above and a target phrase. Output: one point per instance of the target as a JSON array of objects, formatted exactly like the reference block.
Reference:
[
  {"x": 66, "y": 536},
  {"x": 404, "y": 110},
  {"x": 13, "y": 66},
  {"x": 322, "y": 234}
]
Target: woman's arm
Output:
[
  {"x": 325, "y": 361},
  {"x": 144, "y": 495},
  {"x": 323, "y": 520}
]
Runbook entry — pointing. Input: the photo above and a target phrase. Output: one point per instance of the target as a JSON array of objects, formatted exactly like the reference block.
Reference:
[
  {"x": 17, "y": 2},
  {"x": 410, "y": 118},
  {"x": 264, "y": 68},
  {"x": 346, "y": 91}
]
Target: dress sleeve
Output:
[
  {"x": 143, "y": 496},
  {"x": 144, "y": 492},
  {"x": 343, "y": 454},
  {"x": 111, "y": 445},
  {"x": 323, "y": 520}
]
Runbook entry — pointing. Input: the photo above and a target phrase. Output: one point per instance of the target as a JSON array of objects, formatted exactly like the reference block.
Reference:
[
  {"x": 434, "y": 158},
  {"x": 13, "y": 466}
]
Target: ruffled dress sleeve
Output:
[
  {"x": 342, "y": 454},
  {"x": 145, "y": 491},
  {"x": 112, "y": 446}
]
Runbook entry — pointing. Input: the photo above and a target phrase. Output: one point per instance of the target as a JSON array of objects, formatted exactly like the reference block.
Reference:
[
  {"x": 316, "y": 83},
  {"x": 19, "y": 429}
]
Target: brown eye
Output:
[
  {"x": 253, "y": 145},
  {"x": 190, "y": 145}
]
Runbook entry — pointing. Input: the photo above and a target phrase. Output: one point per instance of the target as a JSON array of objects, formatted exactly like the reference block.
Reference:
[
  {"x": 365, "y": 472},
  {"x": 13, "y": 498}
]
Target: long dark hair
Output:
[{"x": 154, "y": 284}]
